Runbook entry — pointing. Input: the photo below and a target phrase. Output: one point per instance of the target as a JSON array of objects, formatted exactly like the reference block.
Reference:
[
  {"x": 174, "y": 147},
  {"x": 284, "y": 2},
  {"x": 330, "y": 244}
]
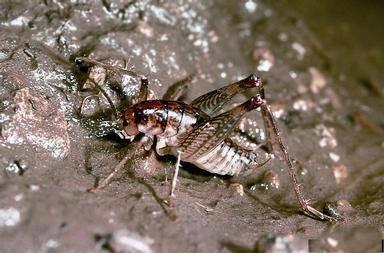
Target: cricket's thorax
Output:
[{"x": 167, "y": 120}]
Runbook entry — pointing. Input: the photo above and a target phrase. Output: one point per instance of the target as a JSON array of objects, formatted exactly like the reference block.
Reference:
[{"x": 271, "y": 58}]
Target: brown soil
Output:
[{"x": 323, "y": 81}]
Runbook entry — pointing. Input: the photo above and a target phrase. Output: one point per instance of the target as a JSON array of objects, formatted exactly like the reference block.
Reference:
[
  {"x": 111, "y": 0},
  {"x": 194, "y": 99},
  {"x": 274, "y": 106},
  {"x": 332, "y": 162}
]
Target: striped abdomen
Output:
[{"x": 226, "y": 159}]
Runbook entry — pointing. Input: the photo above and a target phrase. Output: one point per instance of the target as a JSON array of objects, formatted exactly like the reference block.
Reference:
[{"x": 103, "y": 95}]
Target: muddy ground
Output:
[{"x": 322, "y": 66}]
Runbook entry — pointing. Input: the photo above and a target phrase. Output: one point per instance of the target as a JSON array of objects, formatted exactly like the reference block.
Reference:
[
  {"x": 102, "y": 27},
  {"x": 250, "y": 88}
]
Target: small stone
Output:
[
  {"x": 340, "y": 172},
  {"x": 300, "y": 49},
  {"x": 9, "y": 217},
  {"x": 338, "y": 209},
  {"x": 270, "y": 180},
  {"x": 90, "y": 106},
  {"x": 333, "y": 242},
  {"x": 264, "y": 57},
  {"x": 327, "y": 136},
  {"x": 280, "y": 244},
  {"x": 18, "y": 167},
  {"x": 237, "y": 188},
  {"x": 50, "y": 244},
  {"x": 331, "y": 209},
  {"x": 125, "y": 241},
  {"x": 37, "y": 122},
  {"x": 335, "y": 157},
  {"x": 145, "y": 28},
  {"x": 34, "y": 187},
  {"x": 267, "y": 181},
  {"x": 317, "y": 80}
]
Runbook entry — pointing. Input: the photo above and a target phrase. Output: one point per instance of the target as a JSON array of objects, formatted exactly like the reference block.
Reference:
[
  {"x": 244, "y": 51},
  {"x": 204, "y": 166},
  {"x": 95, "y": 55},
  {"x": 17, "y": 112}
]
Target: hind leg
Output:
[
  {"x": 212, "y": 102},
  {"x": 277, "y": 147},
  {"x": 214, "y": 131}
]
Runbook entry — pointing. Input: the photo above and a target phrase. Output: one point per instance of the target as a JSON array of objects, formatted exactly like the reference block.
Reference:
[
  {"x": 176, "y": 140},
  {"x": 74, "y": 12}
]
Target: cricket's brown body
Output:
[
  {"x": 198, "y": 133},
  {"x": 170, "y": 122},
  {"x": 166, "y": 120},
  {"x": 226, "y": 159}
]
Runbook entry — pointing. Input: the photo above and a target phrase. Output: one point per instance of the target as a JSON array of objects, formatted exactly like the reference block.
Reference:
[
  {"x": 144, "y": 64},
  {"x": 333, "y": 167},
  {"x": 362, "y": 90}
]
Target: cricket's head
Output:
[{"x": 128, "y": 123}]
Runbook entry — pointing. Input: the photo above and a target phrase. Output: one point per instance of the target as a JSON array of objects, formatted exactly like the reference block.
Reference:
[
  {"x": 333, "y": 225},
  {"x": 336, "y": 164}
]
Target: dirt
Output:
[{"x": 323, "y": 79}]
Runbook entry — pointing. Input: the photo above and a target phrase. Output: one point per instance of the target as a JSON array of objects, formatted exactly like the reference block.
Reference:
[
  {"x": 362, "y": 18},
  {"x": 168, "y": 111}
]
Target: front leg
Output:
[
  {"x": 140, "y": 147},
  {"x": 163, "y": 149}
]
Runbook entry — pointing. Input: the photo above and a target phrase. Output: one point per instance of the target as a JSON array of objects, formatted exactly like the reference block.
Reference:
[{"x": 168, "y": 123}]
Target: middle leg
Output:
[{"x": 171, "y": 195}]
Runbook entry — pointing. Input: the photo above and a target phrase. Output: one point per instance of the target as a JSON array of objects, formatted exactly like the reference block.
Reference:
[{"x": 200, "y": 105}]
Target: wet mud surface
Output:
[{"x": 322, "y": 80}]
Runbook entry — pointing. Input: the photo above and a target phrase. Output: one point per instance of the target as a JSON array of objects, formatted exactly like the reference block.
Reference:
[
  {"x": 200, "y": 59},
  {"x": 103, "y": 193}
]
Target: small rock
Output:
[
  {"x": 50, "y": 244},
  {"x": 9, "y": 217},
  {"x": 317, "y": 80},
  {"x": 18, "y": 167},
  {"x": 327, "y": 135},
  {"x": 268, "y": 180},
  {"x": 90, "y": 106},
  {"x": 338, "y": 209},
  {"x": 335, "y": 157},
  {"x": 37, "y": 122},
  {"x": 237, "y": 188},
  {"x": 145, "y": 28},
  {"x": 331, "y": 210},
  {"x": 300, "y": 49},
  {"x": 347, "y": 238},
  {"x": 264, "y": 57},
  {"x": 340, "y": 172},
  {"x": 280, "y": 244},
  {"x": 124, "y": 241}
]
